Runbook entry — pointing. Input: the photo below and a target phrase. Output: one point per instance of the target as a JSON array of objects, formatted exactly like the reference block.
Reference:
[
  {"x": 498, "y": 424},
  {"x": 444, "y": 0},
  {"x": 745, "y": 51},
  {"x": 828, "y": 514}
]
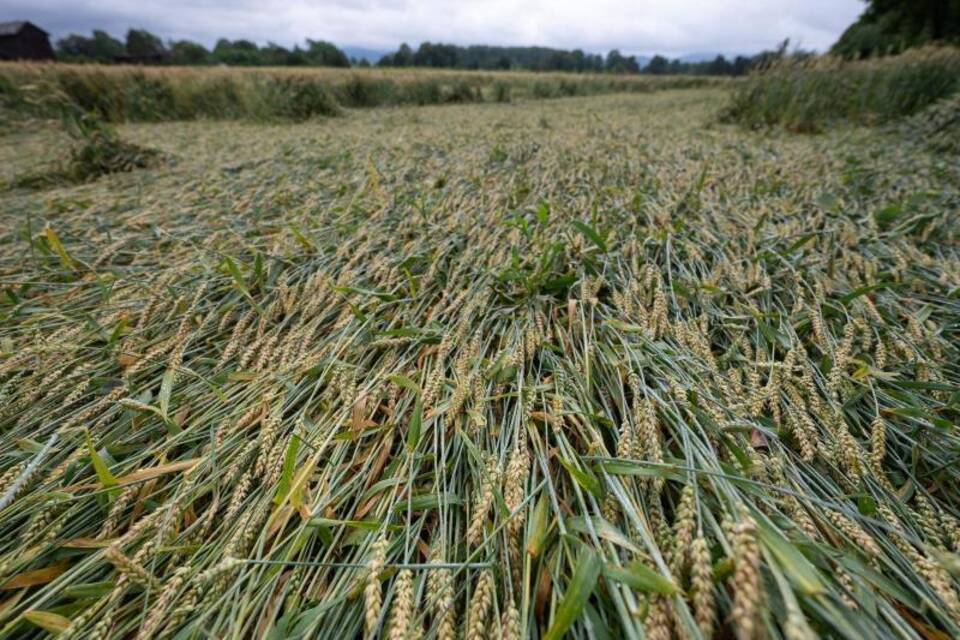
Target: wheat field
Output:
[
  {"x": 119, "y": 93},
  {"x": 597, "y": 367}
]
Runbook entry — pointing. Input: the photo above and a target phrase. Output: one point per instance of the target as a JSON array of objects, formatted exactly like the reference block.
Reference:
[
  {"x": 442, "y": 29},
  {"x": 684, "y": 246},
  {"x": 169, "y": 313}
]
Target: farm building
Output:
[{"x": 24, "y": 41}]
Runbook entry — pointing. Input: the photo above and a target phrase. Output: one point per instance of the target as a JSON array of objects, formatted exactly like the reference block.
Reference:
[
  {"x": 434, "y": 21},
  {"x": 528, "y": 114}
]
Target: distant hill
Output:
[{"x": 705, "y": 57}]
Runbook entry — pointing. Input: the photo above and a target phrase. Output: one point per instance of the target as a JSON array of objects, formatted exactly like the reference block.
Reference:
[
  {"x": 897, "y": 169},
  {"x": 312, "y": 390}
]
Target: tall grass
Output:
[
  {"x": 136, "y": 94},
  {"x": 809, "y": 94},
  {"x": 95, "y": 150}
]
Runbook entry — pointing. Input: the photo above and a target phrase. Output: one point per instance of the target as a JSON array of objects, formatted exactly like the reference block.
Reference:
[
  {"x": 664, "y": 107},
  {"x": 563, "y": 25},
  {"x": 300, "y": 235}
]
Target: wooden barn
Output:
[{"x": 24, "y": 41}]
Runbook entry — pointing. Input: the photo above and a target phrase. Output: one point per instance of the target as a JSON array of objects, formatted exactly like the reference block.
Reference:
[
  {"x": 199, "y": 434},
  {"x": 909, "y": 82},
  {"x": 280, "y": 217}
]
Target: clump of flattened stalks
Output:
[
  {"x": 100, "y": 151},
  {"x": 96, "y": 149}
]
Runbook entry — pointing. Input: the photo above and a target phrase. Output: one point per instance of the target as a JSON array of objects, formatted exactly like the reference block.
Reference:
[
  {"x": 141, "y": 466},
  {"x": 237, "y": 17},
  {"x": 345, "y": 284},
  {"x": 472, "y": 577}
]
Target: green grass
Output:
[
  {"x": 808, "y": 95},
  {"x": 595, "y": 366}
]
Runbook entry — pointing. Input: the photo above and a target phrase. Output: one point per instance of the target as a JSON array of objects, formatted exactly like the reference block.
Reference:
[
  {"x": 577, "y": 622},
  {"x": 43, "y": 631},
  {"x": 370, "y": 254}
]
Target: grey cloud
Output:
[{"x": 666, "y": 26}]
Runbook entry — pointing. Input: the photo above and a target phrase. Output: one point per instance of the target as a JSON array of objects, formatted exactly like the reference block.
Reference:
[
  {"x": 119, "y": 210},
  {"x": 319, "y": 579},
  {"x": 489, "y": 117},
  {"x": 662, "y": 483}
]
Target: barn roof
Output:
[{"x": 13, "y": 28}]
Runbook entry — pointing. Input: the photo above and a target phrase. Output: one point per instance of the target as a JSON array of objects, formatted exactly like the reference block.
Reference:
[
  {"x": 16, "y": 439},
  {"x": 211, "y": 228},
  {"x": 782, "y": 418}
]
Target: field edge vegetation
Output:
[
  {"x": 809, "y": 94},
  {"x": 144, "y": 94}
]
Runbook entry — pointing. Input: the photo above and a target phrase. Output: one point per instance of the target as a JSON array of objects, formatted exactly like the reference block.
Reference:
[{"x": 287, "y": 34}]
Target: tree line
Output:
[
  {"x": 141, "y": 46},
  {"x": 450, "y": 56}
]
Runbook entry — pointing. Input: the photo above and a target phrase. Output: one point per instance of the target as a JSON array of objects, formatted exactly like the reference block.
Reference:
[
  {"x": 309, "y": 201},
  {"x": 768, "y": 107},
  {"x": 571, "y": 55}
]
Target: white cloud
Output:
[{"x": 671, "y": 27}]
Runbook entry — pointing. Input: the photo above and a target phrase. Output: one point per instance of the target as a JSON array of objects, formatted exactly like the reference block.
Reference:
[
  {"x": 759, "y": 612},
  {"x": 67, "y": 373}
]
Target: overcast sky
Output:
[{"x": 672, "y": 27}]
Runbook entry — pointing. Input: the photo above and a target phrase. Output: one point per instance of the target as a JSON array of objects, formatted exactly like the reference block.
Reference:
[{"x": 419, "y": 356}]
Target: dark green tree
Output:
[
  {"x": 240, "y": 53},
  {"x": 618, "y": 63},
  {"x": 325, "y": 54},
  {"x": 402, "y": 58},
  {"x": 73, "y": 48},
  {"x": 106, "y": 48},
  {"x": 297, "y": 57},
  {"x": 431, "y": 54},
  {"x": 890, "y": 26},
  {"x": 741, "y": 65},
  {"x": 719, "y": 67},
  {"x": 273, "y": 55},
  {"x": 102, "y": 47},
  {"x": 657, "y": 66},
  {"x": 185, "y": 52},
  {"x": 143, "y": 45},
  {"x": 437, "y": 55}
]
